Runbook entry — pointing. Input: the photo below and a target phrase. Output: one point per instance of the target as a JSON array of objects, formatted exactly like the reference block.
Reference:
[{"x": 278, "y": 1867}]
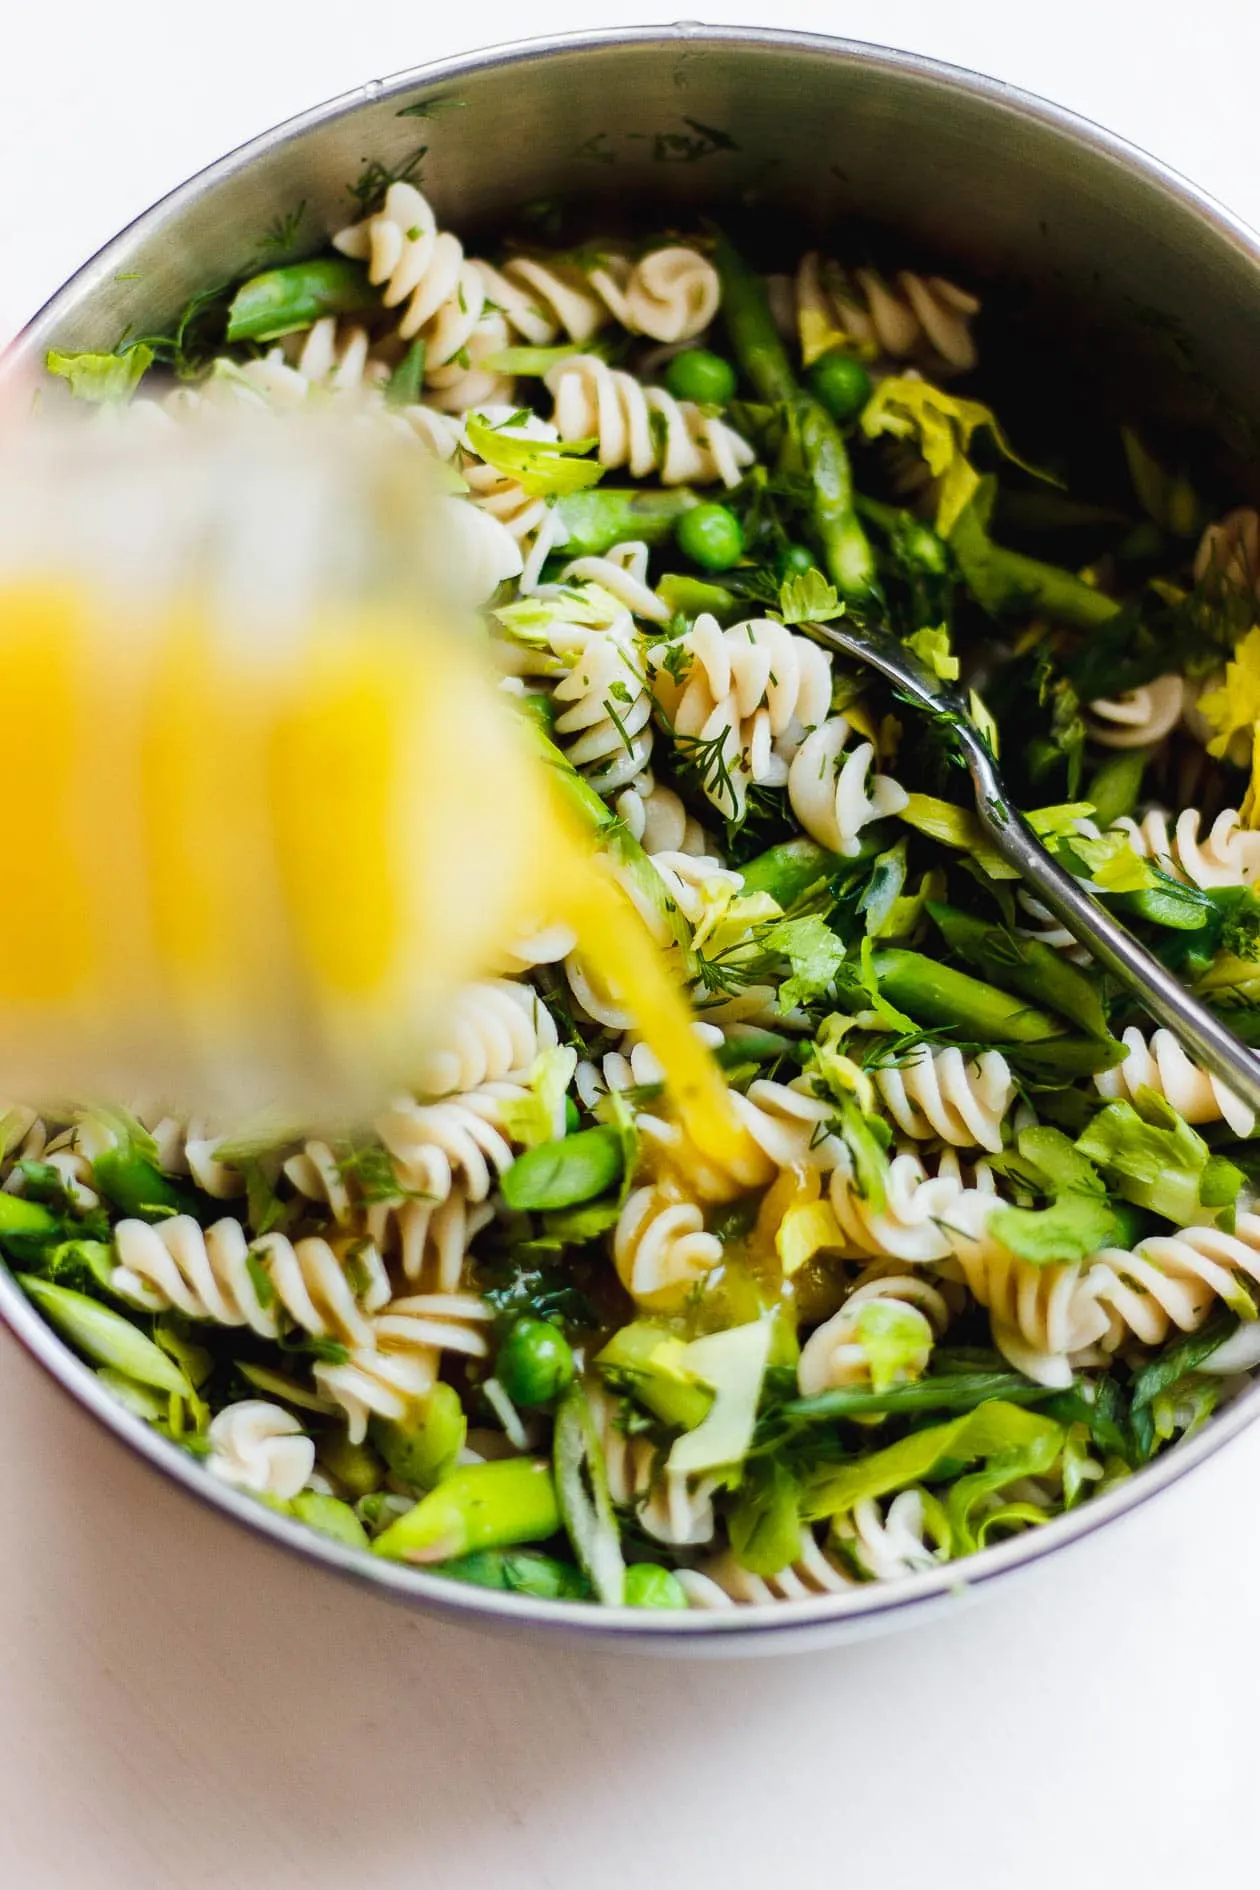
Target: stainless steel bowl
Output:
[{"x": 686, "y": 118}]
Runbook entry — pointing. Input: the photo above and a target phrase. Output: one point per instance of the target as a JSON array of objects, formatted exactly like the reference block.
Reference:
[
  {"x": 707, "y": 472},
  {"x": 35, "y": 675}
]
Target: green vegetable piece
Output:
[
  {"x": 106, "y": 380},
  {"x": 581, "y": 1488},
  {"x": 572, "y": 1116},
  {"x": 542, "y": 468},
  {"x": 790, "y": 870},
  {"x": 794, "y": 561},
  {"x": 696, "y": 374},
  {"x": 27, "y": 1218},
  {"x": 998, "y": 1428},
  {"x": 1073, "y": 1228},
  {"x": 1065, "y": 1059},
  {"x": 814, "y": 953},
  {"x": 690, "y": 597},
  {"x": 519, "y": 1572},
  {"x": 1005, "y": 582},
  {"x": 534, "y": 1363},
  {"x": 648, "y": 1585},
  {"x": 331, "y": 1517},
  {"x": 649, "y": 1361},
  {"x": 710, "y": 536},
  {"x": 841, "y": 383},
  {"x": 105, "y": 1336},
  {"x": 1154, "y": 1160},
  {"x": 596, "y": 521},
  {"x": 954, "y": 1391},
  {"x": 765, "y": 1524},
  {"x": 406, "y": 384},
  {"x": 420, "y": 1455},
  {"x": 813, "y": 444},
  {"x": 558, "y": 1174},
  {"x": 135, "y": 1187},
  {"x": 283, "y": 301},
  {"x": 936, "y": 994},
  {"x": 482, "y": 1506},
  {"x": 1116, "y": 789},
  {"x": 1178, "y": 908},
  {"x": 1184, "y": 1354},
  {"x": 356, "y": 1467},
  {"x": 1025, "y": 966}
]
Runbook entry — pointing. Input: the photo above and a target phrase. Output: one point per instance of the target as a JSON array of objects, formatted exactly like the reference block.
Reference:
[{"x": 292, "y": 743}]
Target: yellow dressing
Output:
[{"x": 228, "y": 854}]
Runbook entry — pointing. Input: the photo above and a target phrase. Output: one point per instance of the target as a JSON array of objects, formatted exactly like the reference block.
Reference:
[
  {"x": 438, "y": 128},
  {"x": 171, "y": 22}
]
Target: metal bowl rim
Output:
[{"x": 774, "y": 1624}]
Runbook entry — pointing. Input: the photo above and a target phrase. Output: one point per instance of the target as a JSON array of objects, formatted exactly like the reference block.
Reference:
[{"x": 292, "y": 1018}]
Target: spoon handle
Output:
[{"x": 1215, "y": 1046}]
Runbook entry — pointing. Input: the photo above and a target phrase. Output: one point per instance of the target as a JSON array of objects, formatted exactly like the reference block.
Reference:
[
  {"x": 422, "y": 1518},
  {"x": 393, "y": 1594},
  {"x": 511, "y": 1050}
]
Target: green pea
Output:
[
  {"x": 841, "y": 383},
  {"x": 558, "y": 1174},
  {"x": 535, "y": 1362},
  {"x": 710, "y": 536},
  {"x": 648, "y": 1585},
  {"x": 572, "y": 1116},
  {"x": 696, "y": 374},
  {"x": 794, "y": 561}
]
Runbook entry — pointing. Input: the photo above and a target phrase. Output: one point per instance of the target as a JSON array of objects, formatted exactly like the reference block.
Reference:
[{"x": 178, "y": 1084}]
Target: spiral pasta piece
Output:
[
  {"x": 1047, "y": 930},
  {"x": 1140, "y": 717},
  {"x": 458, "y": 1141},
  {"x": 1228, "y": 556},
  {"x": 634, "y": 1066},
  {"x": 644, "y": 428},
  {"x": 670, "y": 295},
  {"x": 661, "y": 1248},
  {"x": 890, "y": 1544},
  {"x": 924, "y": 319},
  {"x": 786, "y": 1125},
  {"x": 939, "y": 1092},
  {"x": 424, "y": 271},
  {"x": 655, "y": 816},
  {"x": 1042, "y": 1317},
  {"x": 622, "y": 571},
  {"x": 722, "y": 1583},
  {"x": 1227, "y": 855},
  {"x": 668, "y": 1506},
  {"x": 496, "y": 1030},
  {"x": 604, "y": 724},
  {"x": 920, "y": 1211},
  {"x": 696, "y": 882},
  {"x": 1163, "y": 1066},
  {"x": 1174, "y": 1280},
  {"x": 835, "y": 1353},
  {"x": 328, "y": 1290},
  {"x": 744, "y": 701},
  {"x": 393, "y": 1370},
  {"x": 830, "y": 795},
  {"x": 258, "y": 1446}
]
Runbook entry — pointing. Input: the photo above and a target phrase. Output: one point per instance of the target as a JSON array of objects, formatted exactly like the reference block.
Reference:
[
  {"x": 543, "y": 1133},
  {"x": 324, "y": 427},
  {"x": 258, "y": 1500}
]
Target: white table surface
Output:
[{"x": 181, "y": 1709}]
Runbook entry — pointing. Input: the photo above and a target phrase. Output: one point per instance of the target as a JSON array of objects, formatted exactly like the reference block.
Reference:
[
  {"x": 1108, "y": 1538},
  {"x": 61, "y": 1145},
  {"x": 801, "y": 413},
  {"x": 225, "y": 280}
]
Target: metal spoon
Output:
[{"x": 1212, "y": 1043}]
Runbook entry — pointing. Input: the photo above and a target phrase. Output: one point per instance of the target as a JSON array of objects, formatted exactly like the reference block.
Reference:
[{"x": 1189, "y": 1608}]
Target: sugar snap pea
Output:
[
  {"x": 284, "y": 301},
  {"x": 106, "y": 1337},
  {"x": 561, "y": 1173}
]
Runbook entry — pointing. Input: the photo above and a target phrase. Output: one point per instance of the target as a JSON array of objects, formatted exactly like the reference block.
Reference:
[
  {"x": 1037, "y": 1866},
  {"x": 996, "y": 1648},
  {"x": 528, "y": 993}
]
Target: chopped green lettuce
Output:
[
  {"x": 544, "y": 469},
  {"x": 106, "y": 380},
  {"x": 996, "y": 1430}
]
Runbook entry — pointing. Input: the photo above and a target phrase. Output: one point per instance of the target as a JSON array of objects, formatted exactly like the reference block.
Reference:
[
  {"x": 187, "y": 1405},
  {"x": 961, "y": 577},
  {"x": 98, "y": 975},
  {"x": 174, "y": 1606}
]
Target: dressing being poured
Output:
[{"x": 273, "y": 810}]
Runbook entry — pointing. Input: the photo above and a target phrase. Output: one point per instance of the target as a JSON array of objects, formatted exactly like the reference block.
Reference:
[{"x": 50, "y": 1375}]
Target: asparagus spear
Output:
[{"x": 812, "y": 435}]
